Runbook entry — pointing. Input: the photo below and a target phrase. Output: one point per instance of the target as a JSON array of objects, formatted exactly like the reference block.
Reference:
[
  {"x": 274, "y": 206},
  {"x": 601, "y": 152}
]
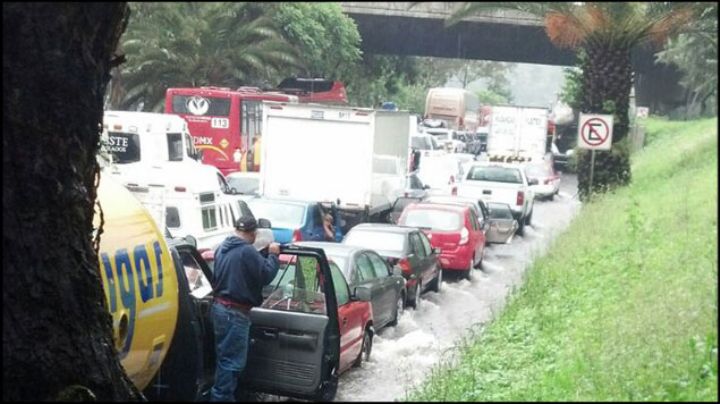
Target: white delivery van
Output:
[
  {"x": 354, "y": 157},
  {"x": 517, "y": 133}
]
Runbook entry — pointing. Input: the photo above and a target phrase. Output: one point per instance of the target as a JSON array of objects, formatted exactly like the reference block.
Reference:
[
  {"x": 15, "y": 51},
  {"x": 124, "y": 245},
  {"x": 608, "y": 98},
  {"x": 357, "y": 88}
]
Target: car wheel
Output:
[
  {"x": 479, "y": 264},
  {"x": 521, "y": 228},
  {"x": 551, "y": 197},
  {"x": 366, "y": 349},
  {"x": 438, "y": 281},
  {"x": 468, "y": 273},
  {"x": 416, "y": 300},
  {"x": 399, "y": 309},
  {"x": 528, "y": 219}
]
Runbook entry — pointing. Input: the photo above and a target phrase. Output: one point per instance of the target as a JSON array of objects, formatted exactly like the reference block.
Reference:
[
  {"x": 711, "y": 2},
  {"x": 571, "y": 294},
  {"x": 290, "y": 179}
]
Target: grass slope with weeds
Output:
[{"x": 624, "y": 305}]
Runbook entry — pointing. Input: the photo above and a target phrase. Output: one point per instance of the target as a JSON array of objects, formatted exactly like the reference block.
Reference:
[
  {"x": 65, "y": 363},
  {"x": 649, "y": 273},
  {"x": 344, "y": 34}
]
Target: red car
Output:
[
  {"x": 353, "y": 306},
  {"x": 454, "y": 229}
]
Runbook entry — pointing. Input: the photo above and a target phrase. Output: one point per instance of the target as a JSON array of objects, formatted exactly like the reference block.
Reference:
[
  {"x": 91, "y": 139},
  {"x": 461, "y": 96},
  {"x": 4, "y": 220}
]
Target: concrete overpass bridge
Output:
[{"x": 503, "y": 35}]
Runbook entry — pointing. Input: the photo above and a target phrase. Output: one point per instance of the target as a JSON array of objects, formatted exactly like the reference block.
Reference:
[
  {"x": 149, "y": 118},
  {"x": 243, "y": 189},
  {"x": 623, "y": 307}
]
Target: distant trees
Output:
[
  {"x": 695, "y": 54},
  {"x": 196, "y": 44}
]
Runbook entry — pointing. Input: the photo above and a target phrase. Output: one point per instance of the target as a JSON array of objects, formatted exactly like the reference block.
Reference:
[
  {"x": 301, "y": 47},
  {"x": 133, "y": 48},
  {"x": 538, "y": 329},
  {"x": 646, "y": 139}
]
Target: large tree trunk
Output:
[
  {"x": 57, "y": 332},
  {"x": 607, "y": 81}
]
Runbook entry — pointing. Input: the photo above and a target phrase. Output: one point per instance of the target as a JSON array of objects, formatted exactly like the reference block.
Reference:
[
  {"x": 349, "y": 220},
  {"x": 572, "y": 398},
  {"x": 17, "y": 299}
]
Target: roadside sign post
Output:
[{"x": 594, "y": 133}]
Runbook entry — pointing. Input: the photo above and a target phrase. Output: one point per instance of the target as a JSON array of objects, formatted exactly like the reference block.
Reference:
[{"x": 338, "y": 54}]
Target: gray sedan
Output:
[{"x": 365, "y": 268}]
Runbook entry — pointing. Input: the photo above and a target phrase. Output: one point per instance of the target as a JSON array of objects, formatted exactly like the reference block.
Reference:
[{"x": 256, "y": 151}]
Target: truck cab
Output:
[{"x": 154, "y": 157}]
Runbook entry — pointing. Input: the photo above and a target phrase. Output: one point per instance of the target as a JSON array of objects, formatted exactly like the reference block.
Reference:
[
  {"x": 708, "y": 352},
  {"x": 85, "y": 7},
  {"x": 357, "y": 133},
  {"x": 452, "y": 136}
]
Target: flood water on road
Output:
[{"x": 404, "y": 355}]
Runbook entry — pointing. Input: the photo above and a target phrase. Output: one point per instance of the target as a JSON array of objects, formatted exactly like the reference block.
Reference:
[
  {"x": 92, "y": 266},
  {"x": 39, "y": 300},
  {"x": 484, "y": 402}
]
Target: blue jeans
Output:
[{"x": 232, "y": 332}]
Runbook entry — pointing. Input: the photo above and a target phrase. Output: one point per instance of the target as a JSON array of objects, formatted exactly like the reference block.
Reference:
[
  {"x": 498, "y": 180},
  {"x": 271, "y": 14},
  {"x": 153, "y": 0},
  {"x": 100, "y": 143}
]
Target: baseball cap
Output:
[{"x": 246, "y": 223}]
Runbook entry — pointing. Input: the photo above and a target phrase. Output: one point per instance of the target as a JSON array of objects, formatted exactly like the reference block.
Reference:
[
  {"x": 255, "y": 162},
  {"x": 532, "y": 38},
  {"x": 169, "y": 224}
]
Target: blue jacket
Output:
[{"x": 240, "y": 272}]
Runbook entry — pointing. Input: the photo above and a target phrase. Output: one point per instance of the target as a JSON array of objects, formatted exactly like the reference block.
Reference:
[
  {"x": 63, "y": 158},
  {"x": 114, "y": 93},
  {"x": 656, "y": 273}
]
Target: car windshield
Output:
[
  {"x": 431, "y": 218},
  {"x": 421, "y": 143},
  {"x": 124, "y": 147},
  {"x": 376, "y": 240},
  {"x": 495, "y": 174},
  {"x": 537, "y": 171},
  {"x": 499, "y": 211},
  {"x": 244, "y": 185},
  {"x": 281, "y": 215}
]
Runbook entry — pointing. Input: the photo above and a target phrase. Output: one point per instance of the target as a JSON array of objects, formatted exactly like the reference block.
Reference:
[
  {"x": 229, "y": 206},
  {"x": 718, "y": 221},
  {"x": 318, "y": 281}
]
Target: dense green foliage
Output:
[
  {"x": 695, "y": 54},
  {"x": 623, "y": 307},
  {"x": 327, "y": 41},
  {"x": 259, "y": 44}
]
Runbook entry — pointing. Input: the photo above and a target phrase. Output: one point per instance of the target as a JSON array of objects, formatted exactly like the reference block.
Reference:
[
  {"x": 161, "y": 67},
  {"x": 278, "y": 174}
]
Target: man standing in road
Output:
[{"x": 239, "y": 274}]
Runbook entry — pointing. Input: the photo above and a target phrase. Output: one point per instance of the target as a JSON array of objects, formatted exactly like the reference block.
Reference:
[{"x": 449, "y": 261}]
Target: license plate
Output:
[{"x": 487, "y": 192}]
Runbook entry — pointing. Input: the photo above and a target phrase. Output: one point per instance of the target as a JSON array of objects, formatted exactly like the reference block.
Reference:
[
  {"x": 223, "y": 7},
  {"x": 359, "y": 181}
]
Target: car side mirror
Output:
[
  {"x": 362, "y": 293},
  {"x": 533, "y": 181},
  {"x": 426, "y": 186},
  {"x": 233, "y": 191},
  {"x": 191, "y": 240},
  {"x": 437, "y": 250},
  {"x": 264, "y": 223},
  {"x": 397, "y": 271}
]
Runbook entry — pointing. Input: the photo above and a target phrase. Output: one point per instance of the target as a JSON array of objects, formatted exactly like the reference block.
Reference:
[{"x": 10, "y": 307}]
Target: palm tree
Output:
[
  {"x": 607, "y": 32},
  {"x": 196, "y": 44}
]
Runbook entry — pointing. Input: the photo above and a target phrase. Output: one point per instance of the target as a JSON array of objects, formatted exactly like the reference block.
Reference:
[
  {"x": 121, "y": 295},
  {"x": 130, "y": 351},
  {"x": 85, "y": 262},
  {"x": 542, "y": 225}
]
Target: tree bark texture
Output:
[
  {"x": 57, "y": 332},
  {"x": 606, "y": 81}
]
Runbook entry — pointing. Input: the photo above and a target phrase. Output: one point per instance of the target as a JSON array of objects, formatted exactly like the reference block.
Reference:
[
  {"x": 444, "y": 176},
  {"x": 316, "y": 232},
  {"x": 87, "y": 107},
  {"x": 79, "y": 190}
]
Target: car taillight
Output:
[
  {"x": 404, "y": 264},
  {"x": 520, "y": 198},
  {"x": 547, "y": 181},
  {"x": 453, "y": 191},
  {"x": 452, "y": 179},
  {"x": 464, "y": 235},
  {"x": 297, "y": 235}
]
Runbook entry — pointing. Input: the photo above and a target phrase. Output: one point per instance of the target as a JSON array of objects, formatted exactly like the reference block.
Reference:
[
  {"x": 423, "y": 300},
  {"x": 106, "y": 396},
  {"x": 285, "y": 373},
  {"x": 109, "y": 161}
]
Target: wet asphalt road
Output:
[{"x": 404, "y": 355}]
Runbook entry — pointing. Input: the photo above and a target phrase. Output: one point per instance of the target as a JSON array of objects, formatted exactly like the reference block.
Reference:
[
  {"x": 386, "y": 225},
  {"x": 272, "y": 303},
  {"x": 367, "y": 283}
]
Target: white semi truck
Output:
[{"x": 353, "y": 157}]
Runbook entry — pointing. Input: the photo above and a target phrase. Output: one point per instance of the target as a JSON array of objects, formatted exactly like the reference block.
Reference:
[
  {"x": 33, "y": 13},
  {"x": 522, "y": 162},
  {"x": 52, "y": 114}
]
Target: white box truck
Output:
[
  {"x": 354, "y": 157},
  {"x": 517, "y": 133}
]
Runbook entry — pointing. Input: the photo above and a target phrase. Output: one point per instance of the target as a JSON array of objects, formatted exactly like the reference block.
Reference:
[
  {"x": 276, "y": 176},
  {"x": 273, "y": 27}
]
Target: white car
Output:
[
  {"x": 448, "y": 137},
  {"x": 548, "y": 180},
  {"x": 246, "y": 183},
  {"x": 501, "y": 183}
]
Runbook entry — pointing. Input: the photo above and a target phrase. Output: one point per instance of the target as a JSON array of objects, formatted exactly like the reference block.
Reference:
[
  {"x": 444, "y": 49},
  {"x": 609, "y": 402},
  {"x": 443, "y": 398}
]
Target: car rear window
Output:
[
  {"x": 537, "y": 171},
  {"x": 499, "y": 211},
  {"x": 433, "y": 219},
  {"x": 281, "y": 215},
  {"x": 495, "y": 174},
  {"x": 376, "y": 240}
]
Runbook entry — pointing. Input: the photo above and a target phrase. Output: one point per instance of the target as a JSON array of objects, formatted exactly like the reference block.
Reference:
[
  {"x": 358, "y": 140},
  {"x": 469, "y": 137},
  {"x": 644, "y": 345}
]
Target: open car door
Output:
[
  {"x": 295, "y": 336},
  {"x": 502, "y": 224}
]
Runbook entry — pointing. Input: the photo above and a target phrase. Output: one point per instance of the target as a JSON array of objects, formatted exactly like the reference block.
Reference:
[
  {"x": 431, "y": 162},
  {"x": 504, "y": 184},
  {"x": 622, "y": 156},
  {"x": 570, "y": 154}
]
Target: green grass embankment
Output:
[{"x": 624, "y": 304}]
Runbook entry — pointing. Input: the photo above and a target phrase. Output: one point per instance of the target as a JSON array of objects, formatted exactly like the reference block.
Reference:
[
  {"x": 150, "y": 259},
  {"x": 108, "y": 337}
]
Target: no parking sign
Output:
[{"x": 595, "y": 132}]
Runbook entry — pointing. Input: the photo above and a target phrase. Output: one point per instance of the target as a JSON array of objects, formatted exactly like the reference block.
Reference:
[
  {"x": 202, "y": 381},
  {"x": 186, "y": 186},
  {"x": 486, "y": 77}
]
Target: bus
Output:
[
  {"x": 457, "y": 107},
  {"x": 226, "y": 125}
]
